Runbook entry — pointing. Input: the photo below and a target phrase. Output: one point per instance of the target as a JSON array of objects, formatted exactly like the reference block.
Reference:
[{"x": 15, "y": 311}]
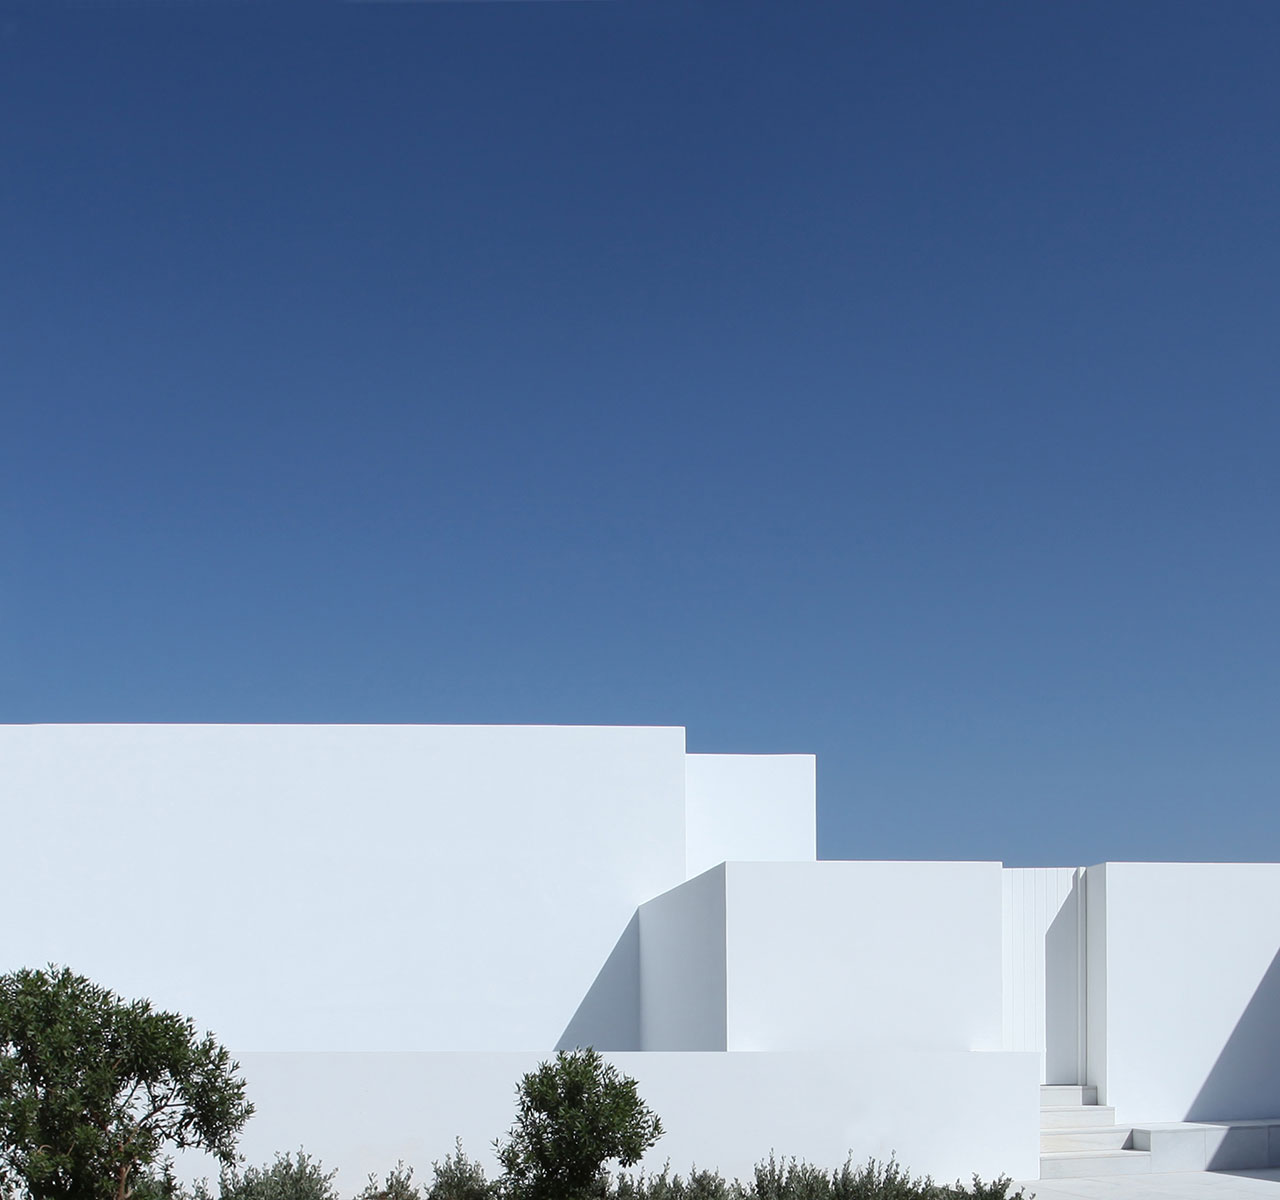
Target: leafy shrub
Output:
[
  {"x": 790, "y": 1179},
  {"x": 288, "y": 1178},
  {"x": 458, "y": 1178},
  {"x": 997, "y": 1189},
  {"x": 700, "y": 1185},
  {"x": 399, "y": 1185},
  {"x": 881, "y": 1181},
  {"x": 575, "y": 1115}
]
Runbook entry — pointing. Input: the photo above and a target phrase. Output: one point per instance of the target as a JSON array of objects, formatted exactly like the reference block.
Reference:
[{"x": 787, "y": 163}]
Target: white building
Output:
[{"x": 390, "y": 924}]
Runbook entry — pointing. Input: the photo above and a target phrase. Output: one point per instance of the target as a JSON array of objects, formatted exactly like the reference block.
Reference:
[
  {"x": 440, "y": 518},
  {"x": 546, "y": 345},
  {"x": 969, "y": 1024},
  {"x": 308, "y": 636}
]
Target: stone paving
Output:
[{"x": 1260, "y": 1184}]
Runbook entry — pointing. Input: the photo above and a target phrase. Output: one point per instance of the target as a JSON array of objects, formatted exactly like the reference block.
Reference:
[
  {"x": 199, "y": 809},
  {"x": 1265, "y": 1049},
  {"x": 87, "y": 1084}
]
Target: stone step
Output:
[
  {"x": 1061, "y": 1094},
  {"x": 1091, "y": 1137},
  {"x": 1088, "y": 1164},
  {"x": 1076, "y": 1116}
]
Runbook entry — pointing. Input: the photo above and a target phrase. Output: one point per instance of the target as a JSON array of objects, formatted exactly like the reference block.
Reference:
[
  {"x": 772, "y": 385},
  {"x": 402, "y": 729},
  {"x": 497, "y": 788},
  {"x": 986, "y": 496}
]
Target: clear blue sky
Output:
[{"x": 896, "y": 382}]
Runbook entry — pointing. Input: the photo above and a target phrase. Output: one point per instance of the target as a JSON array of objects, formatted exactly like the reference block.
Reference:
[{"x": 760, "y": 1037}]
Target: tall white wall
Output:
[
  {"x": 840, "y": 954},
  {"x": 1185, "y": 989},
  {"x": 682, "y": 966},
  {"x": 750, "y": 808},
  {"x": 1043, "y": 968},
  {"x": 949, "y": 1114},
  {"x": 340, "y": 887}
]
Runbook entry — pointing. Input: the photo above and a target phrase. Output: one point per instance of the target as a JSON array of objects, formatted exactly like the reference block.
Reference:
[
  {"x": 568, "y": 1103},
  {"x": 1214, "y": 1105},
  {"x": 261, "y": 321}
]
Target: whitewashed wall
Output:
[
  {"x": 1043, "y": 918},
  {"x": 1184, "y": 989},
  {"x": 948, "y": 1114},
  {"x": 340, "y": 887},
  {"x": 838, "y": 954},
  {"x": 682, "y": 966},
  {"x": 750, "y": 808}
]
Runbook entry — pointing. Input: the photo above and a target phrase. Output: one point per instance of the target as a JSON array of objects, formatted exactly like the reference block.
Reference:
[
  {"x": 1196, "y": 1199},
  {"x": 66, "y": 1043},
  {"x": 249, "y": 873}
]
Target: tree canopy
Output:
[
  {"x": 575, "y": 1114},
  {"x": 94, "y": 1089}
]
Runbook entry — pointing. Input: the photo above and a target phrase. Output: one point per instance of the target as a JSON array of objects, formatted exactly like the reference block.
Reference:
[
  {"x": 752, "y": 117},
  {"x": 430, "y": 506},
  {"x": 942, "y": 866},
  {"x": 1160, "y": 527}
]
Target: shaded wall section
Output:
[{"x": 1185, "y": 994}]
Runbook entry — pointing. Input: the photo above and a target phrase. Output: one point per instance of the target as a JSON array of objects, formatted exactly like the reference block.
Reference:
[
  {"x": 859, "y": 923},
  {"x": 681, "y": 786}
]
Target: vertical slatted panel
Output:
[{"x": 1033, "y": 899}]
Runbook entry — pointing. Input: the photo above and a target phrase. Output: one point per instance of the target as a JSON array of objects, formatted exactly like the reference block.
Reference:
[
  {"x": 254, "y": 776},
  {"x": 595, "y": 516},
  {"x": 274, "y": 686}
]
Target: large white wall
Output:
[
  {"x": 1043, "y": 968},
  {"x": 750, "y": 808},
  {"x": 339, "y": 887},
  {"x": 949, "y": 1114},
  {"x": 841, "y": 954},
  {"x": 1184, "y": 989}
]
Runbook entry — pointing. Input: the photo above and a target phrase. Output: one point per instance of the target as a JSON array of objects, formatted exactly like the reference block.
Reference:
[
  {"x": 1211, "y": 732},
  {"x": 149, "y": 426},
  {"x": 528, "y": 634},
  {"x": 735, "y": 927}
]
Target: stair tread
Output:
[
  {"x": 1061, "y": 1154},
  {"x": 1069, "y": 1129}
]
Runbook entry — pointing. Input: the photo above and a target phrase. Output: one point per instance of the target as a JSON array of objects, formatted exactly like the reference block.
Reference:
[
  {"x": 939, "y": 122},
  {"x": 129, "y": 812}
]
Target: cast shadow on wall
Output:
[
  {"x": 1062, "y": 999},
  {"x": 609, "y": 1016},
  {"x": 1244, "y": 1083}
]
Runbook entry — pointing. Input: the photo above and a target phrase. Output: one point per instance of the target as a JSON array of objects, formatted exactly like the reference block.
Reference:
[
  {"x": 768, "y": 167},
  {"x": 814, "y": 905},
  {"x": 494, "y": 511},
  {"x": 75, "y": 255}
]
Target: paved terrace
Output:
[{"x": 1260, "y": 1184}]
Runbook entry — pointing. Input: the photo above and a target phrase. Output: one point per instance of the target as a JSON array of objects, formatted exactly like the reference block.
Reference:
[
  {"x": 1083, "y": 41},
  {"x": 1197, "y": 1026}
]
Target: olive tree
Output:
[
  {"x": 575, "y": 1114},
  {"x": 93, "y": 1088}
]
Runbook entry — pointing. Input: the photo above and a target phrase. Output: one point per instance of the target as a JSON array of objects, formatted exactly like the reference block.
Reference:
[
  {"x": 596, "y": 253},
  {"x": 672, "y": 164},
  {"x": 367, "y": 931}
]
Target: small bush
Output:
[
  {"x": 399, "y": 1185},
  {"x": 790, "y": 1179},
  {"x": 288, "y": 1178},
  {"x": 459, "y": 1178},
  {"x": 997, "y": 1189},
  {"x": 700, "y": 1185}
]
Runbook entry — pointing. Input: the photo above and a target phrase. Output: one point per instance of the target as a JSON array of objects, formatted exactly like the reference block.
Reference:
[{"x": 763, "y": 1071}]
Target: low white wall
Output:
[
  {"x": 750, "y": 808},
  {"x": 340, "y": 887},
  {"x": 841, "y": 954},
  {"x": 1043, "y": 968},
  {"x": 946, "y": 1114},
  {"x": 1185, "y": 989}
]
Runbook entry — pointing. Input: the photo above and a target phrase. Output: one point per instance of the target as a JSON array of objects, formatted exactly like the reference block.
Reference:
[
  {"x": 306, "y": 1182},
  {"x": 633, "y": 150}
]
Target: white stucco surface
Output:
[
  {"x": 750, "y": 808},
  {"x": 842, "y": 954},
  {"x": 947, "y": 1114},
  {"x": 682, "y": 966},
  {"x": 340, "y": 887},
  {"x": 1185, "y": 1007},
  {"x": 1043, "y": 967}
]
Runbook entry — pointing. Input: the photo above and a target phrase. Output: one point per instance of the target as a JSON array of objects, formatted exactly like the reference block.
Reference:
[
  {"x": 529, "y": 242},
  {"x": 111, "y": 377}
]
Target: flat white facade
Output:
[{"x": 390, "y": 924}]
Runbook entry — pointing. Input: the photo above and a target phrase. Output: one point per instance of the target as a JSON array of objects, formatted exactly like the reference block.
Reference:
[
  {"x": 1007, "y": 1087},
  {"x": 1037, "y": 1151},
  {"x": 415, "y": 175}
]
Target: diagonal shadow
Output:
[
  {"x": 609, "y": 1016},
  {"x": 1062, "y": 992},
  {"x": 1244, "y": 1083}
]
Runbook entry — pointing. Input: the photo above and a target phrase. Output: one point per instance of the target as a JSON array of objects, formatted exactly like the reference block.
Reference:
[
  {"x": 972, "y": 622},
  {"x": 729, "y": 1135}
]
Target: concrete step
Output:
[
  {"x": 1091, "y": 1137},
  {"x": 1088, "y": 1164},
  {"x": 1076, "y": 1116},
  {"x": 1061, "y": 1094}
]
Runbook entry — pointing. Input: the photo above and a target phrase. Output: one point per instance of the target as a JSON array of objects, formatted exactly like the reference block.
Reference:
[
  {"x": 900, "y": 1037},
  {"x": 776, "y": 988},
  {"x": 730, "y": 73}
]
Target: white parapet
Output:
[{"x": 803, "y": 956}]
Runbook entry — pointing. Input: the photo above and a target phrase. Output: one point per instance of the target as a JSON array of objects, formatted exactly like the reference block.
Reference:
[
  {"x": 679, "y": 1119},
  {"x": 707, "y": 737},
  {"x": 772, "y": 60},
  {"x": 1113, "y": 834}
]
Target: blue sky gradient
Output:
[{"x": 896, "y": 382}]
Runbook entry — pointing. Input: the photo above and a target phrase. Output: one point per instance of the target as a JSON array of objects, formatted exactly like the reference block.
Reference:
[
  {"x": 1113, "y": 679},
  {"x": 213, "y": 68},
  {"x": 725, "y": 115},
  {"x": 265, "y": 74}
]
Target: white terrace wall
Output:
[
  {"x": 949, "y": 1114},
  {"x": 1184, "y": 989}
]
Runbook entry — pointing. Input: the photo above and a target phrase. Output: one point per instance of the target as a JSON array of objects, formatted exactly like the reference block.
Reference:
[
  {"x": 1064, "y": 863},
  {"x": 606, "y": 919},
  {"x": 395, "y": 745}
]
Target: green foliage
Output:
[
  {"x": 700, "y": 1185},
  {"x": 575, "y": 1115},
  {"x": 399, "y": 1185},
  {"x": 93, "y": 1088},
  {"x": 287, "y": 1178},
  {"x": 997, "y": 1189},
  {"x": 458, "y": 1178},
  {"x": 788, "y": 1179}
]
